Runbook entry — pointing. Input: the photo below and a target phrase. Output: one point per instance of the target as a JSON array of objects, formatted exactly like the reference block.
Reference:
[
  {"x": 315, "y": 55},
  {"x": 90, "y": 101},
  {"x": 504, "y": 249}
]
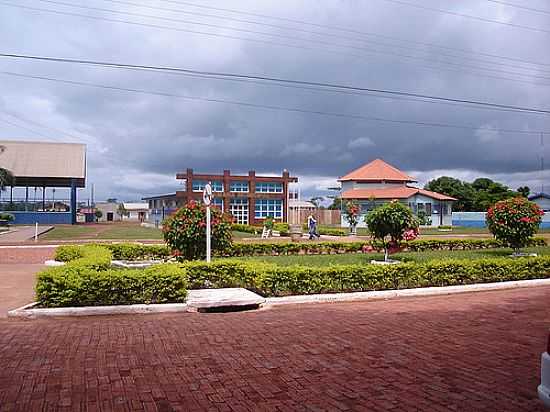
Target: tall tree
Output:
[
  {"x": 462, "y": 191},
  {"x": 336, "y": 203},
  {"x": 524, "y": 191},
  {"x": 477, "y": 196},
  {"x": 317, "y": 200}
]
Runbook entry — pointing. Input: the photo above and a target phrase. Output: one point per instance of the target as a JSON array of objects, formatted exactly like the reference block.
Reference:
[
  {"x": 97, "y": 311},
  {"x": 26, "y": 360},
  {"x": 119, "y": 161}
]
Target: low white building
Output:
[
  {"x": 136, "y": 211},
  {"x": 109, "y": 211},
  {"x": 378, "y": 182},
  {"x": 541, "y": 199}
]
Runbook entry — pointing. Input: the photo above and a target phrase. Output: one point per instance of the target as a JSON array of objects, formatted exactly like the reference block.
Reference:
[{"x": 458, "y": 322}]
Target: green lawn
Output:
[
  {"x": 363, "y": 259},
  {"x": 105, "y": 231},
  {"x": 457, "y": 230},
  {"x": 241, "y": 235},
  {"x": 137, "y": 232},
  {"x": 116, "y": 231},
  {"x": 68, "y": 233}
]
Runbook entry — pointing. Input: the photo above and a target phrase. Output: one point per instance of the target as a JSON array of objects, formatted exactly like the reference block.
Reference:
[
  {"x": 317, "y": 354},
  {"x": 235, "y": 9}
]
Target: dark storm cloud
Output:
[{"x": 137, "y": 142}]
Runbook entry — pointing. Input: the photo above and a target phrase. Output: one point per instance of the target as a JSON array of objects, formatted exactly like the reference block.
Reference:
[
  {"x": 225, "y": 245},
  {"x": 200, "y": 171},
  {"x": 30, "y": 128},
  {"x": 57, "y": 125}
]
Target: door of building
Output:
[
  {"x": 239, "y": 210},
  {"x": 110, "y": 216}
]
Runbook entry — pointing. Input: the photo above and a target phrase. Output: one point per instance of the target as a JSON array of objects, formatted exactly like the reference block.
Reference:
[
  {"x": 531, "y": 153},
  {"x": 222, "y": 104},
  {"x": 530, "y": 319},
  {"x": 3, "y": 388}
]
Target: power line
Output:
[
  {"x": 263, "y": 41},
  {"x": 294, "y": 38},
  {"x": 517, "y": 6},
  {"x": 348, "y": 30},
  {"x": 469, "y": 16},
  {"x": 322, "y": 86},
  {"x": 34, "y": 122},
  {"x": 25, "y": 128},
  {"x": 276, "y": 107},
  {"x": 302, "y": 30}
]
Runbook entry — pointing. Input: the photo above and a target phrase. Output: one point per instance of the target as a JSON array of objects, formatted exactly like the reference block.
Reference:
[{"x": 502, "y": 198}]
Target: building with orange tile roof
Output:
[{"x": 378, "y": 182}]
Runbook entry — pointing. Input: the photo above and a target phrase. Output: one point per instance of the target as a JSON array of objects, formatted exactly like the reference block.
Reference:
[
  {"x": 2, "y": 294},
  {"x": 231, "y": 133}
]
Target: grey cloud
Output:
[{"x": 138, "y": 142}]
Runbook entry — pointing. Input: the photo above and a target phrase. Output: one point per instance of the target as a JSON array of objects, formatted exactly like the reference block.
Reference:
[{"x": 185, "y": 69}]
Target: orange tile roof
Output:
[
  {"x": 403, "y": 192},
  {"x": 377, "y": 170}
]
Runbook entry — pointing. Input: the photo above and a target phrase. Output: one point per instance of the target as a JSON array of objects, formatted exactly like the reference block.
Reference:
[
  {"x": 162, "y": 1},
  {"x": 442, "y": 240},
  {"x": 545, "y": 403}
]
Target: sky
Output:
[{"x": 138, "y": 141}]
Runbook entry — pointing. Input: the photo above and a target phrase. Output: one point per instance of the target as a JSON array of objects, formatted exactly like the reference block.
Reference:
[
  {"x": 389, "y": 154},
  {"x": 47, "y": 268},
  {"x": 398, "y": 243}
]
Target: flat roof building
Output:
[
  {"x": 39, "y": 166},
  {"x": 248, "y": 198}
]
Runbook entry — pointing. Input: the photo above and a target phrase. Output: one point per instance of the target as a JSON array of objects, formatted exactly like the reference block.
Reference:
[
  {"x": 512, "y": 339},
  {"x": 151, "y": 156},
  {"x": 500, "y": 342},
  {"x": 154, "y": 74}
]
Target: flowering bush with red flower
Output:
[
  {"x": 514, "y": 221},
  {"x": 185, "y": 231},
  {"x": 351, "y": 213},
  {"x": 391, "y": 224}
]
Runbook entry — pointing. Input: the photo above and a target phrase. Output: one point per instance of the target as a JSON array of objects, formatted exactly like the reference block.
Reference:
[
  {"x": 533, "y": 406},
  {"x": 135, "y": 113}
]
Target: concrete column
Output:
[
  {"x": 251, "y": 197},
  {"x": 73, "y": 201}
]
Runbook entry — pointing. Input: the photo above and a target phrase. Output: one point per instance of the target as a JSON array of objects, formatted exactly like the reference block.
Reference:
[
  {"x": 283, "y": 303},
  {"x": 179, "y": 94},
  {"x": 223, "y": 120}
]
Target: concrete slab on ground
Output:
[{"x": 217, "y": 298}]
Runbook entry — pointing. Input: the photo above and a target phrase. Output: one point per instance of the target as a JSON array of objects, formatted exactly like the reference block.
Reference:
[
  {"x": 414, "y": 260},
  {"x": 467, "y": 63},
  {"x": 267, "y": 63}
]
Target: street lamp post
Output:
[{"x": 207, "y": 199}]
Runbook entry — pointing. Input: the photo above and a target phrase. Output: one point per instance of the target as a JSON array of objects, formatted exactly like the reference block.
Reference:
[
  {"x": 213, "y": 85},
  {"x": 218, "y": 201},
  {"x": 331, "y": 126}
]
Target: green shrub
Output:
[
  {"x": 272, "y": 280},
  {"x": 82, "y": 285},
  {"x": 390, "y": 224},
  {"x": 8, "y": 217},
  {"x": 93, "y": 256},
  {"x": 514, "y": 221},
  {"x": 246, "y": 228},
  {"x": 135, "y": 251},
  {"x": 328, "y": 231},
  {"x": 185, "y": 231},
  {"x": 282, "y": 228}
]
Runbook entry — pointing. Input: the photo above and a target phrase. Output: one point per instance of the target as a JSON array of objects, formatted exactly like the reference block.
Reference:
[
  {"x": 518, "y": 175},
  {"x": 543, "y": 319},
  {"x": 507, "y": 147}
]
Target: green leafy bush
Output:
[
  {"x": 282, "y": 228},
  {"x": 135, "y": 251},
  {"x": 328, "y": 231},
  {"x": 514, "y": 221},
  {"x": 84, "y": 285},
  {"x": 185, "y": 231},
  {"x": 390, "y": 223},
  {"x": 8, "y": 217},
  {"x": 94, "y": 256},
  {"x": 273, "y": 280},
  {"x": 246, "y": 228}
]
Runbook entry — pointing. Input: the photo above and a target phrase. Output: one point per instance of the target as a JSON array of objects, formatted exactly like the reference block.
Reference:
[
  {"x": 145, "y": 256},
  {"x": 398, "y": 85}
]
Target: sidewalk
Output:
[
  {"x": 17, "y": 286},
  {"x": 19, "y": 234}
]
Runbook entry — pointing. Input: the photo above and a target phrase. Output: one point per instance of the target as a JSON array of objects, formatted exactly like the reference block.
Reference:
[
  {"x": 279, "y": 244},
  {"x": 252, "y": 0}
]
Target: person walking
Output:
[{"x": 312, "y": 227}]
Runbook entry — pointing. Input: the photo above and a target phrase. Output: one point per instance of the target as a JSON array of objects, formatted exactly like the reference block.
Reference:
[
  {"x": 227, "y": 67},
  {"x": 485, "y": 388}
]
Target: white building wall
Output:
[{"x": 543, "y": 203}]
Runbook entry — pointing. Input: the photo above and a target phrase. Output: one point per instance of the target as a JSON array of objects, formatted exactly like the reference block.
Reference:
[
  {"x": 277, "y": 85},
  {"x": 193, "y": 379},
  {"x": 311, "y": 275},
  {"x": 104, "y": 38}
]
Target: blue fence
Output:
[
  {"x": 477, "y": 219},
  {"x": 42, "y": 218}
]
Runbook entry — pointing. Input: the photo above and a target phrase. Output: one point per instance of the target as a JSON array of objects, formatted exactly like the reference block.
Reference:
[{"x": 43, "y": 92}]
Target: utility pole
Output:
[{"x": 542, "y": 162}]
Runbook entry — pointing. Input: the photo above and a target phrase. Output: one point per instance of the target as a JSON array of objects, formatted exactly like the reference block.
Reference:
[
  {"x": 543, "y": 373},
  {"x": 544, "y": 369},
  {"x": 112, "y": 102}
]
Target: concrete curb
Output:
[
  {"x": 27, "y": 311},
  {"x": 404, "y": 293}
]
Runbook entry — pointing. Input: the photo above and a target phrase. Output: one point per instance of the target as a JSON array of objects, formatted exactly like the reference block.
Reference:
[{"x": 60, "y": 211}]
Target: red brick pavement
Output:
[
  {"x": 10, "y": 255},
  {"x": 474, "y": 352}
]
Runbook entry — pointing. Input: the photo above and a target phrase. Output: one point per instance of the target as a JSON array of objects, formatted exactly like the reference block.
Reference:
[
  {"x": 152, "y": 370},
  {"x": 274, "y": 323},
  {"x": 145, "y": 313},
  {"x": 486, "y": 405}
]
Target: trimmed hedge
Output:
[
  {"x": 246, "y": 228},
  {"x": 273, "y": 280},
  {"x": 316, "y": 248},
  {"x": 87, "y": 279},
  {"x": 131, "y": 251},
  {"x": 328, "y": 231},
  {"x": 118, "y": 251},
  {"x": 82, "y": 285}
]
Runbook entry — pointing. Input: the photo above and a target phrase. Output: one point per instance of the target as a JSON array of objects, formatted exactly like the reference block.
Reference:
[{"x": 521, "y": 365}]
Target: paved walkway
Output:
[
  {"x": 18, "y": 234},
  {"x": 16, "y": 287},
  {"x": 474, "y": 352}
]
